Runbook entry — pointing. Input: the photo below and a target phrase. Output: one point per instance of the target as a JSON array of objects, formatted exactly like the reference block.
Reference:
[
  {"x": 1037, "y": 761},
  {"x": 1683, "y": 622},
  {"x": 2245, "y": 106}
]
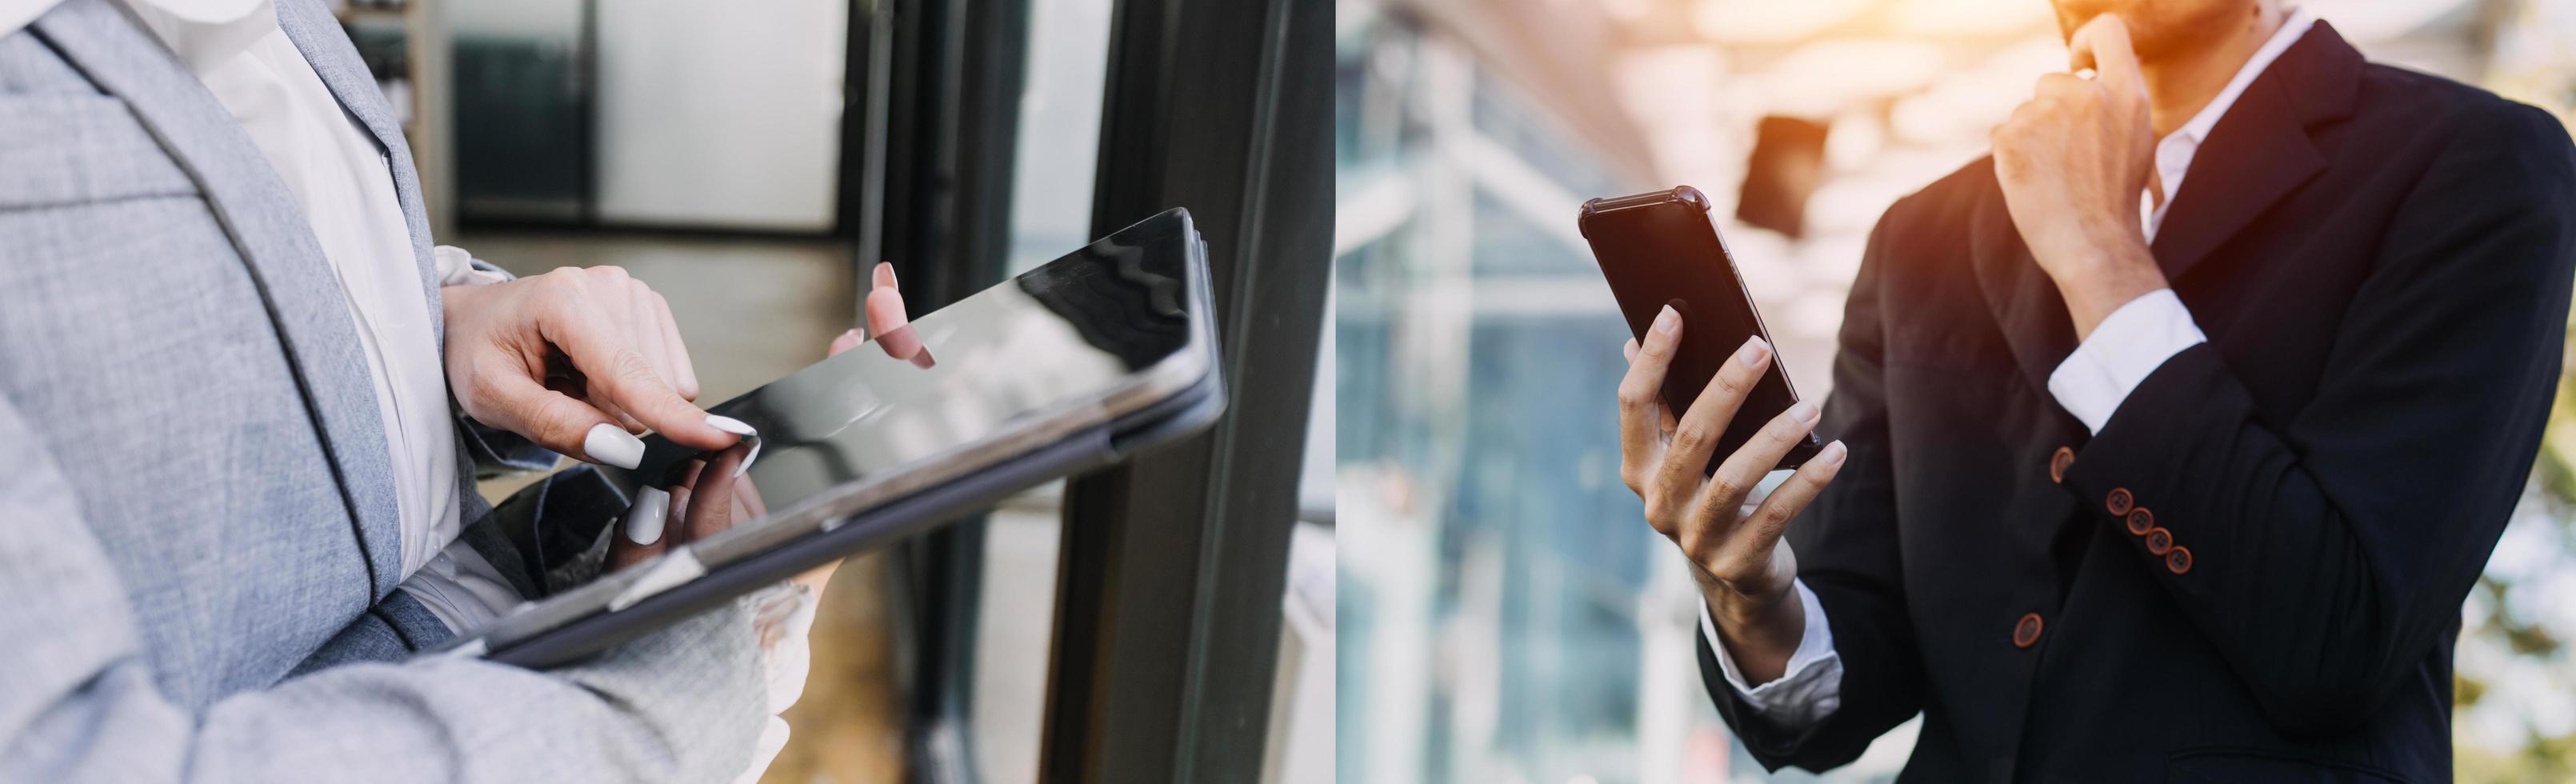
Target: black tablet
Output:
[{"x": 1071, "y": 366}]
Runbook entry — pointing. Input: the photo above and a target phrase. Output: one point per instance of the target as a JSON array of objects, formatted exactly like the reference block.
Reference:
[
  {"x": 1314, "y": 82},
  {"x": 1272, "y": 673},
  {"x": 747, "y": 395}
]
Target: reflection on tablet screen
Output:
[{"x": 1068, "y": 334}]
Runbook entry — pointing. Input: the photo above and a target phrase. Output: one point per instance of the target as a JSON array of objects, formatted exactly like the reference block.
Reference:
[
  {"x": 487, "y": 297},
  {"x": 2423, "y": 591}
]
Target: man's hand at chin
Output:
[{"x": 2072, "y": 162}]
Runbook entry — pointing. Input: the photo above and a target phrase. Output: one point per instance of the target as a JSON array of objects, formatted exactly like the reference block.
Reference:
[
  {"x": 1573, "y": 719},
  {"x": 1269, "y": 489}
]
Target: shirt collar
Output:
[
  {"x": 2293, "y": 27},
  {"x": 17, "y": 14}
]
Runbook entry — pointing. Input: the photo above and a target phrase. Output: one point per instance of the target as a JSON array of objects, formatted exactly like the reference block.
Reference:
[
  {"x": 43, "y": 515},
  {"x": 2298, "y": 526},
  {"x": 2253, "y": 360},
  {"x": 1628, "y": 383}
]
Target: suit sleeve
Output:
[
  {"x": 2324, "y": 555},
  {"x": 1846, "y": 546},
  {"x": 80, "y": 703}
]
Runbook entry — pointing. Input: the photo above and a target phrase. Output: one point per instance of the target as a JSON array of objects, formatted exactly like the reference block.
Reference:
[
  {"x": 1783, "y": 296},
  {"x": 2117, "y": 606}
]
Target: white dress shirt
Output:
[{"x": 2090, "y": 383}]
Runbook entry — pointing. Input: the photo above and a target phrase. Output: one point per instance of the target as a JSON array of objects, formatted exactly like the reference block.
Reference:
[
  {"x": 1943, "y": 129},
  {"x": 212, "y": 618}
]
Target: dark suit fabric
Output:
[{"x": 2381, "y": 261}]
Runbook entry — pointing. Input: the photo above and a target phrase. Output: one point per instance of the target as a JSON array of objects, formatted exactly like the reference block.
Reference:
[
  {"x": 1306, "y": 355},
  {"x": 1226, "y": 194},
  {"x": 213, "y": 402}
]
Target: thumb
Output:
[{"x": 887, "y": 321}]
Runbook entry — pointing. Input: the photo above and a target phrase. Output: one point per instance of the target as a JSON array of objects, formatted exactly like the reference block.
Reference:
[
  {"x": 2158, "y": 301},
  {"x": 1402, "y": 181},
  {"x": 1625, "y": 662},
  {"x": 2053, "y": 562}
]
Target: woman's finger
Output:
[
  {"x": 887, "y": 321},
  {"x": 711, "y": 497},
  {"x": 618, "y": 373}
]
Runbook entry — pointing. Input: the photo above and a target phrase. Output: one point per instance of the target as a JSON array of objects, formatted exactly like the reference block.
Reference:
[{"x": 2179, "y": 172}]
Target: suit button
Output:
[
  {"x": 2141, "y": 521},
  {"x": 2057, "y": 464},
  {"x": 2026, "y": 633},
  {"x": 2159, "y": 541},
  {"x": 2178, "y": 559},
  {"x": 2119, "y": 501}
]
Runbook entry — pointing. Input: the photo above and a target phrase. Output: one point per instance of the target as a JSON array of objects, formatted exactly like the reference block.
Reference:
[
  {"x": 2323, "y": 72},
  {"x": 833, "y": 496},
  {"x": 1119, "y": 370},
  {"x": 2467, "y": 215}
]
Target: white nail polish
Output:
[
  {"x": 644, "y": 519},
  {"x": 608, "y": 444},
  {"x": 739, "y": 428}
]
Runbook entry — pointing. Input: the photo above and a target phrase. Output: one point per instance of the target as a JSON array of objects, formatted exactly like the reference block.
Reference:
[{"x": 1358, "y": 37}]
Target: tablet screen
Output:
[{"x": 1053, "y": 347}]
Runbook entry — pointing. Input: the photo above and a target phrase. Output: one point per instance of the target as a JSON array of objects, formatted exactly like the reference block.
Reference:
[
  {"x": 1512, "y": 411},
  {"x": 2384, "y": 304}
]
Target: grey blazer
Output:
[{"x": 196, "y": 499}]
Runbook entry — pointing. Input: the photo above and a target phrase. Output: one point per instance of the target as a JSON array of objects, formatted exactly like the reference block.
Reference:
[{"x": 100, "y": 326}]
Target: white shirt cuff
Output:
[
  {"x": 1809, "y": 690},
  {"x": 462, "y": 589},
  {"x": 2127, "y": 347},
  {"x": 457, "y": 268}
]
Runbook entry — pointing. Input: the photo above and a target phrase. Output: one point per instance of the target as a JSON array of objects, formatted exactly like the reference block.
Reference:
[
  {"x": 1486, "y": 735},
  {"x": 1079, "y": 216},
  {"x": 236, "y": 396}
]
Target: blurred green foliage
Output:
[{"x": 2541, "y": 758}]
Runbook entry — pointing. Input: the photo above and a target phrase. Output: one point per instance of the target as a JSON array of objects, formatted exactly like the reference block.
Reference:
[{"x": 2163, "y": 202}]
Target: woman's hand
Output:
[
  {"x": 706, "y": 497},
  {"x": 1743, "y": 567},
  {"x": 577, "y": 360}
]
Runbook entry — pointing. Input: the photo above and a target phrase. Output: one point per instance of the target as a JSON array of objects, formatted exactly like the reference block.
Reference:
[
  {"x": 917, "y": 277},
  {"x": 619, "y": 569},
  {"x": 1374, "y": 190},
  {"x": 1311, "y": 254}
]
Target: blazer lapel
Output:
[
  {"x": 317, "y": 34},
  {"x": 270, "y": 232},
  {"x": 2024, "y": 300},
  {"x": 2259, "y": 152}
]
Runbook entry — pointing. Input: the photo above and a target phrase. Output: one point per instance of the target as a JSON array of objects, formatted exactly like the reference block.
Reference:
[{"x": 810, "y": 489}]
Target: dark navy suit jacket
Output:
[{"x": 2254, "y": 571}]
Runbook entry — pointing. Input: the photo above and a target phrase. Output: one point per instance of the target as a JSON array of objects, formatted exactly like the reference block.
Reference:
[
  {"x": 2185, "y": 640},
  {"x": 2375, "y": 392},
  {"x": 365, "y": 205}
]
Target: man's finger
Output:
[
  {"x": 2058, "y": 85},
  {"x": 2103, "y": 45},
  {"x": 1761, "y": 530},
  {"x": 1695, "y": 437},
  {"x": 1724, "y": 496},
  {"x": 1641, "y": 394}
]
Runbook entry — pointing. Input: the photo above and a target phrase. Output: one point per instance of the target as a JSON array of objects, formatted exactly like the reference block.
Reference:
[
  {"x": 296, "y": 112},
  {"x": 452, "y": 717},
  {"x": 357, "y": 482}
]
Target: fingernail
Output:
[
  {"x": 608, "y": 444},
  {"x": 1803, "y": 412},
  {"x": 729, "y": 425},
  {"x": 739, "y": 428},
  {"x": 885, "y": 275},
  {"x": 1751, "y": 353},
  {"x": 644, "y": 519},
  {"x": 1832, "y": 454},
  {"x": 1667, "y": 321}
]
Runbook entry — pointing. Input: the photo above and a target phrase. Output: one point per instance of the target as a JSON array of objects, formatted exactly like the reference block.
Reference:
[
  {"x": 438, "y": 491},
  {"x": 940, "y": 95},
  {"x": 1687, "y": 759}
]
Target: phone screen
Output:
[{"x": 1659, "y": 249}]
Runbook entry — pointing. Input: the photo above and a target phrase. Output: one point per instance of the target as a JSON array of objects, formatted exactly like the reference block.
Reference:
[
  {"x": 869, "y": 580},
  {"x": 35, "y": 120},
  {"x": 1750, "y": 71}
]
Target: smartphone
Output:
[{"x": 1659, "y": 249}]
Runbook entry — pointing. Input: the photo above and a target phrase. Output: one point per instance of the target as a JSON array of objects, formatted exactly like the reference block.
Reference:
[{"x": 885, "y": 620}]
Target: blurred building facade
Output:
[{"x": 1505, "y": 614}]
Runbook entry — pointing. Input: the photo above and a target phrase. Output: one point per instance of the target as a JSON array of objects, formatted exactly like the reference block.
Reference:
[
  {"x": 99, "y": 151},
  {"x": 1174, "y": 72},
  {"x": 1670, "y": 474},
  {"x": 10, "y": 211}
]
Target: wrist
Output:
[
  {"x": 1765, "y": 616},
  {"x": 2112, "y": 274}
]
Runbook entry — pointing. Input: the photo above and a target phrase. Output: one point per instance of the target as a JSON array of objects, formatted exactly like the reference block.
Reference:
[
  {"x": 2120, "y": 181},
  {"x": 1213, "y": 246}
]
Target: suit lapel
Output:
[
  {"x": 270, "y": 232},
  {"x": 333, "y": 58},
  {"x": 2024, "y": 300},
  {"x": 2257, "y": 154}
]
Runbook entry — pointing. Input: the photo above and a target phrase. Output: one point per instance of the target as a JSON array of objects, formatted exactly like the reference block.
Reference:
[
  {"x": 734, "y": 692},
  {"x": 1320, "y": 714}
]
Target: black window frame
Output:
[{"x": 1172, "y": 568}]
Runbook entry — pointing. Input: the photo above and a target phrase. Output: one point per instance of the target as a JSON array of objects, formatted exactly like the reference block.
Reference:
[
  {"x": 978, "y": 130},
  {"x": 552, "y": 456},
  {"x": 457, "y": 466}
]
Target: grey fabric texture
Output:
[{"x": 199, "y": 496}]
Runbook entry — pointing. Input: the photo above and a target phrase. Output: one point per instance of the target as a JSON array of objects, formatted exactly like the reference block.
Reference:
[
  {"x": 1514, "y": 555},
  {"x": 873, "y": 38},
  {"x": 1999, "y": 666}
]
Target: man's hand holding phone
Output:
[{"x": 1743, "y": 567}]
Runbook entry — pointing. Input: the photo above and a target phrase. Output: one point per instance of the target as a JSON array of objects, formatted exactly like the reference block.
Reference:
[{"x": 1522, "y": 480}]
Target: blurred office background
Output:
[
  {"x": 751, "y": 161},
  {"x": 1506, "y": 615}
]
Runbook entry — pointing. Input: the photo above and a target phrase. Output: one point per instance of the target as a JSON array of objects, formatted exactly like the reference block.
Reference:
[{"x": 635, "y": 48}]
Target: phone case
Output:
[{"x": 1659, "y": 249}]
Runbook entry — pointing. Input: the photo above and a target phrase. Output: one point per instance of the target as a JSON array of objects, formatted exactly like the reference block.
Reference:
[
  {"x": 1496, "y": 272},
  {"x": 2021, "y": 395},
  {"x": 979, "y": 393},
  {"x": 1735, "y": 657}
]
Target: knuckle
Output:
[
  {"x": 1736, "y": 379},
  {"x": 1634, "y": 397},
  {"x": 1693, "y": 436},
  {"x": 1728, "y": 487},
  {"x": 634, "y": 368}
]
